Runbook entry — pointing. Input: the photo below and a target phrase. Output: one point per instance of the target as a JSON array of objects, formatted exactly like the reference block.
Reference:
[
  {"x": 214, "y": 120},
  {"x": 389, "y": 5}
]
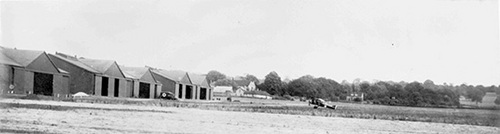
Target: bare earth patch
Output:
[{"x": 107, "y": 118}]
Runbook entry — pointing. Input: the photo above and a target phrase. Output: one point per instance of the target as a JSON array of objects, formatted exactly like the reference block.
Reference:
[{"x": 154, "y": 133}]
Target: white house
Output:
[
  {"x": 239, "y": 92},
  {"x": 246, "y": 85},
  {"x": 252, "y": 86}
]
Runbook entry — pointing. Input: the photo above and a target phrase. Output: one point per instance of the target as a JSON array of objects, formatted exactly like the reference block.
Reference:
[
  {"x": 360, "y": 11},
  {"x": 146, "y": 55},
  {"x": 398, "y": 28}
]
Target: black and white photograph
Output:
[{"x": 250, "y": 66}]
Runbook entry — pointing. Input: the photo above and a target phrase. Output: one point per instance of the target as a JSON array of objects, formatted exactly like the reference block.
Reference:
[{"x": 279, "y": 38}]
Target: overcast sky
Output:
[{"x": 453, "y": 41}]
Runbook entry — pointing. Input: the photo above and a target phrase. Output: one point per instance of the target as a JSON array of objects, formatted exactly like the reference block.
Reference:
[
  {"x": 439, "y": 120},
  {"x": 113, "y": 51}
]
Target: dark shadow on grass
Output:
[
  {"x": 3, "y": 130},
  {"x": 66, "y": 108}
]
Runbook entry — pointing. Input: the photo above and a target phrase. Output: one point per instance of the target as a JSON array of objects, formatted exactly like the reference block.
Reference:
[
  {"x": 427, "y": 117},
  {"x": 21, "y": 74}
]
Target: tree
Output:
[
  {"x": 397, "y": 93},
  {"x": 355, "y": 85},
  {"x": 302, "y": 87},
  {"x": 380, "y": 89},
  {"x": 429, "y": 84},
  {"x": 250, "y": 77},
  {"x": 364, "y": 87},
  {"x": 213, "y": 76},
  {"x": 462, "y": 89},
  {"x": 451, "y": 97},
  {"x": 225, "y": 82},
  {"x": 326, "y": 88},
  {"x": 498, "y": 90},
  {"x": 497, "y": 101},
  {"x": 347, "y": 86},
  {"x": 491, "y": 88},
  {"x": 417, "y": 94},
  {"x": 475, "y": 94},
  {"x": 374, "y": 91},
  {"x": 272, "y": 84},
  {"x": 481, "y": 87},
  {"x": 310, "y": 87}
]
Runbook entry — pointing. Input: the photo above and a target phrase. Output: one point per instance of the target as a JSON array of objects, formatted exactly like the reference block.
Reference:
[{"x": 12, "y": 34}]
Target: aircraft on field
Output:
[{"x": 318, "y": 102}]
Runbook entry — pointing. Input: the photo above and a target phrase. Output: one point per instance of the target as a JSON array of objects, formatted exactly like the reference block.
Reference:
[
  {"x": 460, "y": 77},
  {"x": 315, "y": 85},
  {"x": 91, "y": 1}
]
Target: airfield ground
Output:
[{"x": 38, "y": 116}]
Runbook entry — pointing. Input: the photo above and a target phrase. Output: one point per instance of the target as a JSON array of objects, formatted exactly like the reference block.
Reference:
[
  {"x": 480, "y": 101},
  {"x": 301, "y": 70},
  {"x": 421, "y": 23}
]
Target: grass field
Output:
[
  {"x": 40, "y": 116},
  {"x": 482, "y": 117}
]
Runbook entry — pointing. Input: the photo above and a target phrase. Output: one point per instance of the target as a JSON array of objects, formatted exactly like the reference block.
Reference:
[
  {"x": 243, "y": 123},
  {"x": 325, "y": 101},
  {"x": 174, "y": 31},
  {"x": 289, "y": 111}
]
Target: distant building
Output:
[
  {"x": 251, "y": 86},
  {"x": 222, "y": 93},
  {"x": 31, "y": 72},
  {"x": 257, "y": 94},
  {"x": 239, "y": 92},
  {"x": 353, "y": 96},
  {"x": 246, "y": 85}
]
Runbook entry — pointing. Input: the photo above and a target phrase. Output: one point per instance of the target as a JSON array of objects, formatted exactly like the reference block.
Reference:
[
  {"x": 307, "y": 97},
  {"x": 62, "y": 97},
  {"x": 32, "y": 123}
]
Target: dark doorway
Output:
[
  {"x": 189, "y": 92},
  {"x": 43, "y": 84},
  {"x": 180, "y": 91},
  {"x": 104, "y": 86},
  {"x": 117, "y": 87},
  {"x": 203, "y": 93},
  {"x": 144, "y": 90}
]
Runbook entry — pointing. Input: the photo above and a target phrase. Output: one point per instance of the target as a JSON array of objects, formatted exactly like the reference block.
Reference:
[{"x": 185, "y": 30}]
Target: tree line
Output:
[
  {"x": 220, "y": 79},
  {"x": 379, "y": 92}
]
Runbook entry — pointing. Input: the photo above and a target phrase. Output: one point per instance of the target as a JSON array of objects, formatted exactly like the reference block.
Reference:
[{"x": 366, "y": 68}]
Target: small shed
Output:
[
  {"x": 143, "y": 84},
  {"x": 31, "y": 72}
]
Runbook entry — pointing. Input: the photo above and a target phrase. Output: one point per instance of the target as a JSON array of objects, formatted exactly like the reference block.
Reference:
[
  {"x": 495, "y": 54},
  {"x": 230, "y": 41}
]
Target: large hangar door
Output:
[
  {"x": 144, "y": 90},
  {"x": 203, "y": 93},
  {"x": 189, "y": 92},
  {"x": 104, "y": 86},
  {"x": 180, "y": 91},
  {"x": 43, "y": 84},
  {"x": 117, "y": 87}
]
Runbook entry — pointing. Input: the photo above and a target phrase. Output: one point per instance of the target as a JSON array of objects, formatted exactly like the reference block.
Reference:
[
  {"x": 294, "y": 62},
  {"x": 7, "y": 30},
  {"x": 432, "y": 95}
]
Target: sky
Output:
[{"x": 452, "y": 41}]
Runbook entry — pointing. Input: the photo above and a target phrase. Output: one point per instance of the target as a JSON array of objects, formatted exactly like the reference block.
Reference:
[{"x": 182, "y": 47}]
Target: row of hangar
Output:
[{"x": 38, "y": 72}]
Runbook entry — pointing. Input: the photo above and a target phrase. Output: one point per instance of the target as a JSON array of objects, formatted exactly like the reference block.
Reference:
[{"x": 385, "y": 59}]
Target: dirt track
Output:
[{"x": 104, "y": 118}]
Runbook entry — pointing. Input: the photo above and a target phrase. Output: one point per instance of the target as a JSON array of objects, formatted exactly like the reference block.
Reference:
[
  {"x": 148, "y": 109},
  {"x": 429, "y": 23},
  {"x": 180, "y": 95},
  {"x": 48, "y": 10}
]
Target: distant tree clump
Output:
[
  {"x": 380, "y": 92},
  {"x": 310, "y": 87},
  {"x": 272, "y": 84},
  {"x": 214, "y": 76},
  {"x": 476, "y": 94},
  {"x": 252, "y": 78},
  {"x": 426, "y": 94},
  {"x": 226, "y": 82}
]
